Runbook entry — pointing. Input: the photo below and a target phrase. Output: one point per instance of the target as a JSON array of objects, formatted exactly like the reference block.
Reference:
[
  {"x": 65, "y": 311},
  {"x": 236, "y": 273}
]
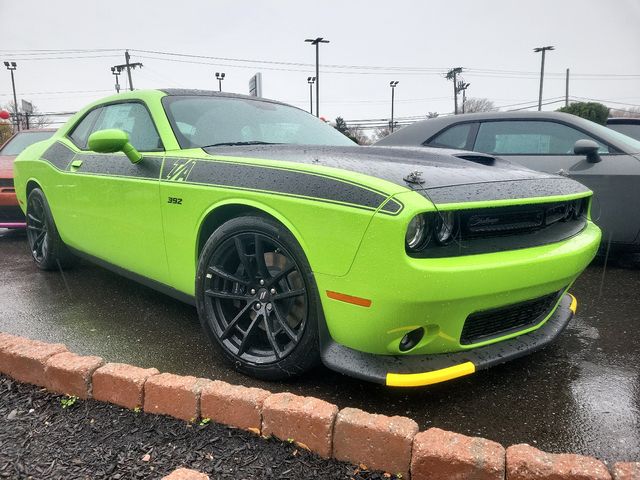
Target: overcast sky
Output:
[{"x": 599, "y": 40}]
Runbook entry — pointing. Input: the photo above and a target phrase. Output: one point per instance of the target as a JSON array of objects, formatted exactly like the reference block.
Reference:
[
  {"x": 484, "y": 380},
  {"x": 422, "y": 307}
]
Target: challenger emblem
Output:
[{"x": 180, "y": 170}]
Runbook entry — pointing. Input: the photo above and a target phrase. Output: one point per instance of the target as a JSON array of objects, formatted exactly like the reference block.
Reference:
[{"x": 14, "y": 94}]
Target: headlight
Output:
[
  {"x": 445, "y": 223},
  {"x": 417, "y": 234}
]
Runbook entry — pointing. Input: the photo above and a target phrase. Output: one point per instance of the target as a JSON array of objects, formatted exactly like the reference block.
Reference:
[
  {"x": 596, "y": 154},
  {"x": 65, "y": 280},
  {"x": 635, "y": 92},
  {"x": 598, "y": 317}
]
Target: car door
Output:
[
  {"x": 114, "y": 208},
  {"x": 547, "y": 146}
]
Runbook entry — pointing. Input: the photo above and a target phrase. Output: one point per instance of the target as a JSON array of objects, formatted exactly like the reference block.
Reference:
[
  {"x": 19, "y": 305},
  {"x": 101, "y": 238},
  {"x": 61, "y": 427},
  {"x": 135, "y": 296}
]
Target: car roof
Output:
[
  {"x": 417, "y": 133},
  {"x": 190, "y": 92}
]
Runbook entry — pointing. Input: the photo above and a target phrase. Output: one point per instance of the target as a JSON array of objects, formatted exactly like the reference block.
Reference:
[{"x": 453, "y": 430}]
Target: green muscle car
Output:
[{"x": 400, "y": 266}]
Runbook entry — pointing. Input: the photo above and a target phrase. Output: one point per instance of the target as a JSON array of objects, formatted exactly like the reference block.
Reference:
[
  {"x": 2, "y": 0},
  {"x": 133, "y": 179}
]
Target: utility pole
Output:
[
  {"x": 311, "y": 81},
  {"x": 11, "y": 66},
  {"x": 116, "y": 72},
  {"x": 220, "y": 78},
  {"x": 462, "y": 87},
  {"x": 128, "y": 66},
  {"x": 566, "y": 90},
  {"x": 393, "y": 85},
  {"x": 543, "y": 50},
  {"x": 453, "y": 75},
  {"x": 317, "y": 41}
]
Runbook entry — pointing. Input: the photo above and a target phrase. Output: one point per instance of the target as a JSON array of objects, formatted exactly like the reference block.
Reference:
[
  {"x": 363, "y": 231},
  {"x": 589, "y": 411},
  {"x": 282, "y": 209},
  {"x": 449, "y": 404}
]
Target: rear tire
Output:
[
  {"x": 257, "y": 299},
  {"x": 47, "y": 248}
]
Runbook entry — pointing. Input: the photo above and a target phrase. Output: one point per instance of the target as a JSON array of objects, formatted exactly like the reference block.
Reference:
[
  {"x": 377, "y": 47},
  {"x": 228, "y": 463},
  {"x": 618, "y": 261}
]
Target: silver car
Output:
[{"x": 606, "y": 161}]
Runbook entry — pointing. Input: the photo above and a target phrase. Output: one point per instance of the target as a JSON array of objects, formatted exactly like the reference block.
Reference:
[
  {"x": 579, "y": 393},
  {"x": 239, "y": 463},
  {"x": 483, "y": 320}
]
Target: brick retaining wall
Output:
[{"x": 392, "y": 444}]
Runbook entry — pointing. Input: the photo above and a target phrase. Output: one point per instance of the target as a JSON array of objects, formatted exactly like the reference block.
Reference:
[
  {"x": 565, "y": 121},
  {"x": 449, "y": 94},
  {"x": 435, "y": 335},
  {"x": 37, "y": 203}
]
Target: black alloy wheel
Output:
[
  {"x": 37, "y": 230},
  {"x": 255, "y": 298},
  {"x": 47, "y": 248}
]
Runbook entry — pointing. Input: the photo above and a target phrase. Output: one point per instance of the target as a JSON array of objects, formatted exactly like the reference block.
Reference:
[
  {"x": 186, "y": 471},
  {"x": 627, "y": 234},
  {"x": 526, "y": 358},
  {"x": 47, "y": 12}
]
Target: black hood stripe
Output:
[{"x": 506, "y": 190}]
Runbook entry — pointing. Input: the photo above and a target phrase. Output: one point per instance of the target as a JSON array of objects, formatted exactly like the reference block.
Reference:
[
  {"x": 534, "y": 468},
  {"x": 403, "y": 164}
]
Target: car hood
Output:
[
  {"x": 442, "y": 175},
  {"x": 6, "y": 166}
]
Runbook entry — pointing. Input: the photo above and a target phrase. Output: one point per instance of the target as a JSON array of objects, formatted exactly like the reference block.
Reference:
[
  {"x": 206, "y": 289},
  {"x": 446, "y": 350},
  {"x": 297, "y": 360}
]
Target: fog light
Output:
[{"x": 411, "y": 339}]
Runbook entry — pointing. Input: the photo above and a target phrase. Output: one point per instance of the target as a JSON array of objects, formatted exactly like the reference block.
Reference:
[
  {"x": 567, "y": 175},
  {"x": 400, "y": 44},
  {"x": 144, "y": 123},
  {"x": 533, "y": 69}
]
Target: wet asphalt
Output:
[{"x": 580, "y": 395}]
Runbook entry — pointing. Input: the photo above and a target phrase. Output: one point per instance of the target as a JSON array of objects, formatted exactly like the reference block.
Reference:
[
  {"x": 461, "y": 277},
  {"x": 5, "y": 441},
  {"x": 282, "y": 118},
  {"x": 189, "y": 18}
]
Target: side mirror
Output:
[
  {"x": 111, "y": 141},
  {"x": 588, "y": 148}
]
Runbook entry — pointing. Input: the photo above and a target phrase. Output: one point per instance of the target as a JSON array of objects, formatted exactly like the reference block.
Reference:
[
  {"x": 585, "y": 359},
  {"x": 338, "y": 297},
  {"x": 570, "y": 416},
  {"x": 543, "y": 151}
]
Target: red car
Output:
[{"x": 10, "y": 214}]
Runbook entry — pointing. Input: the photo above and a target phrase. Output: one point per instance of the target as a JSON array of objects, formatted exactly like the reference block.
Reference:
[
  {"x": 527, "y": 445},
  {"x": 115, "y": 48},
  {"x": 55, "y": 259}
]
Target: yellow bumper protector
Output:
[
  {"x": 429, "y": 378},
  {"x": 574, "y": 304}
]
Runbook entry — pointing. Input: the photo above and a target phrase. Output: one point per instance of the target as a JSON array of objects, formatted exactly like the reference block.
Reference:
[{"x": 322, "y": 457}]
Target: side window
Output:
[
  {"x": 134, "y": 119},
  {"x": 81, "y": 132},
  {"x": 453, "y": 137},
  {"x": 529, "y": 138}
]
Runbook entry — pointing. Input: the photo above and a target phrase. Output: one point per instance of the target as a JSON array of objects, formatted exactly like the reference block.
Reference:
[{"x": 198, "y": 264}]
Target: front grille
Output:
[
  {"x": 6, "y": 182},
  {"x": 488, "y": 324}
]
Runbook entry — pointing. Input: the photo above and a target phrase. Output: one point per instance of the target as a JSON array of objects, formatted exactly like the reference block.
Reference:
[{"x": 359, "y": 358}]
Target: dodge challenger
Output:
[{"x": 400, "y": 266}]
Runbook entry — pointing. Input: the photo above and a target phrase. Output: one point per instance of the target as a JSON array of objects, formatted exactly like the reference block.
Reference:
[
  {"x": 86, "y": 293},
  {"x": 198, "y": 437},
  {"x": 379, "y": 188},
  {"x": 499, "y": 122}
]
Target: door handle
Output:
[{"x": 76, "y": 164}]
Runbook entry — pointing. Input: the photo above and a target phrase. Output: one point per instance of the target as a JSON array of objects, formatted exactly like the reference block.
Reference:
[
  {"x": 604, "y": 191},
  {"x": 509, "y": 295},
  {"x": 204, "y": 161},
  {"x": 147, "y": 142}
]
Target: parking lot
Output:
[{"x": 581, "y": 395}]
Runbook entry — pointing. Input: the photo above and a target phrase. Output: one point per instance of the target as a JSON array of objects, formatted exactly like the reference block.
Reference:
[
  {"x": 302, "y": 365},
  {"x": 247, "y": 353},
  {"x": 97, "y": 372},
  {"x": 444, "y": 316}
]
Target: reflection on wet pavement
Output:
[{"x": 580, "y": 395}]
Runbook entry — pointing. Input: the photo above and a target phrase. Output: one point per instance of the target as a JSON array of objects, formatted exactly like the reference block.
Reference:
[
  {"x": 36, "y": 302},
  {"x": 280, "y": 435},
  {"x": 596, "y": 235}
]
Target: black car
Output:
[{"x": 604, "y": 160}]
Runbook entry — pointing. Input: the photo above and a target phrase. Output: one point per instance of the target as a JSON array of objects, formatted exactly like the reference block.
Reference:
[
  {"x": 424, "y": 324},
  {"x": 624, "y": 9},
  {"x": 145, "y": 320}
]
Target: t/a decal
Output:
[{"x": 180, "y": 170}]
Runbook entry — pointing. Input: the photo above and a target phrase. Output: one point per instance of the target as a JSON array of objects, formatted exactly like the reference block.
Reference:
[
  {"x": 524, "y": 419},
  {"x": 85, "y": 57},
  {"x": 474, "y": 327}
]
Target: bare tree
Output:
[
  {"x": 6, "y": 130},
  {"x": 472, "y": 105},
  {"x": 380, "y": 133},
  {"x": 432, "y": 115},
  {"x": 35, "y": 119},
  {"x": 631, "y": 112}
]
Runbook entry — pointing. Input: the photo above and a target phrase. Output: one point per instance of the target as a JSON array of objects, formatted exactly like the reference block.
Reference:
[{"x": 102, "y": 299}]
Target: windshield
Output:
[
  {"x": 201, "y": 121},
  {"x": 629, "y": 129},
  {"x": 629, "y": 144},
  {"x": 22, "y": 140}
]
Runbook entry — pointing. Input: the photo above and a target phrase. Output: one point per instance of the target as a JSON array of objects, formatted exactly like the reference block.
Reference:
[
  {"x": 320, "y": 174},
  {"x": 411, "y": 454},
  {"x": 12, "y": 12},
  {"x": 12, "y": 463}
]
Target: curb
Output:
[{"x": 392, "y": 444}]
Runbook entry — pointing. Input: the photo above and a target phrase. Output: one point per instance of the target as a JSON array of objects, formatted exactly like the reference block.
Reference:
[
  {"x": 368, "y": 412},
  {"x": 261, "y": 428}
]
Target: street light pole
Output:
[
  {"x": 317, "y": 41},
  {"x": 11, "y": 66},
  {"x": 543, "y": 50},
  {"x": 220, "y": 77},
  {"x": 116, "y": 72},
  {"x": 392, "y": 84},
  {"x": 311, "y": 81}
]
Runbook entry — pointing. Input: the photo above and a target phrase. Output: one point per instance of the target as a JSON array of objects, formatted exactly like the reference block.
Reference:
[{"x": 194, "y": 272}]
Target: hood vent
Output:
[{"x": 481, "y": 159}]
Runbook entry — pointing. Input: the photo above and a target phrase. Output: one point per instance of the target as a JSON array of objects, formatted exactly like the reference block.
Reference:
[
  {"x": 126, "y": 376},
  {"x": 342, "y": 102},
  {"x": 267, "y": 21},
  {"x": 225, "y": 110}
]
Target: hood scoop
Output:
[{"x": 481, "y": 159}]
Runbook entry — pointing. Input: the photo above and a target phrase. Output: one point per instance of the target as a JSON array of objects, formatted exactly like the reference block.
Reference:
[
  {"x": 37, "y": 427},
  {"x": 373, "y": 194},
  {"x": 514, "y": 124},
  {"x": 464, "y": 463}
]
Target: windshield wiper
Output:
[{"x": 234, "y": 144}]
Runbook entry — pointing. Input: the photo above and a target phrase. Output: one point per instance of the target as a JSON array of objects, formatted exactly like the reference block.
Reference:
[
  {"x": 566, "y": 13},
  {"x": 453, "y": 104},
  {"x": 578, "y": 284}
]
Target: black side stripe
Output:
[
  {"x": 228, "y": 175},
  {"x": 59, "y": 155},
  {"x": 281, "y": 181},
  {"x": 119, "y": 165}
]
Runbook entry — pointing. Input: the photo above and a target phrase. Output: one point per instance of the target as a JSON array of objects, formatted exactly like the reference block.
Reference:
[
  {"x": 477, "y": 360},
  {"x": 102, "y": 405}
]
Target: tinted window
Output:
[
  {"x": 529, "y": 138},
  {"x": 81, "y": 133},
  {"x": 23, "y": 140},
  {"x": 630, "y": 130},
  {"x": 454, "y": 137},
  {"x": 200, "y": 121},
  {"x": 134, "y": 119}
]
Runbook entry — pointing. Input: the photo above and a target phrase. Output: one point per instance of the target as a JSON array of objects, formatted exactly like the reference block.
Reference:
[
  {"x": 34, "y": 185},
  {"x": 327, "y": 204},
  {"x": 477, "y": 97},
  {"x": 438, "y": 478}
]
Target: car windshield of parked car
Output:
[
  {"x": 201, "y": 121},
  {"x": 22, "y": 140},
  {"x": 628, "y": 129}
]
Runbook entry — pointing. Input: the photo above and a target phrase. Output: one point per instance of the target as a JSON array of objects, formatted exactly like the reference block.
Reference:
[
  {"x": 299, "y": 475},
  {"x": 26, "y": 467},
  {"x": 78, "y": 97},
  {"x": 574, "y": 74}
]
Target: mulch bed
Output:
[{"x": 40, "y": 439}]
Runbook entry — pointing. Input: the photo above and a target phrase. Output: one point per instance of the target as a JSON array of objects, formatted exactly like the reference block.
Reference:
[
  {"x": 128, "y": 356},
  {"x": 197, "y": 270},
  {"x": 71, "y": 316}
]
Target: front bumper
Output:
[
  {"x": 419, "y": 370},
  {"x": 11, "y": 215}
]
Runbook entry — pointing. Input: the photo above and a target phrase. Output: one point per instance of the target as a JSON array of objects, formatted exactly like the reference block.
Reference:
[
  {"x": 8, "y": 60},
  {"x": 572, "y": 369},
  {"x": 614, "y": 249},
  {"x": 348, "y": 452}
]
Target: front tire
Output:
[
  {"x": 47, "y": 248},
  {"x": 256, "y": 298}
]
